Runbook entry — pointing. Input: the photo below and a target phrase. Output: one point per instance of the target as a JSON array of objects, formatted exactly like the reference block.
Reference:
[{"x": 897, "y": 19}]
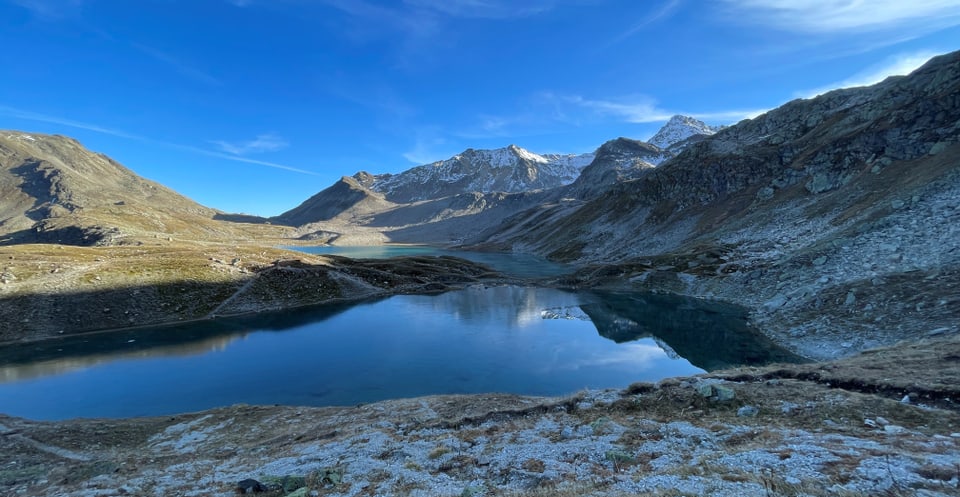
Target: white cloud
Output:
[
  {"x": 642, "y": 109},
  {"x": 633, "y": 110},
  {"x": 268, "y": 142},
  {"x": 428, "y": 147},
  {"x": 485, "y": 9},
  {"x": 178, "y": 65},
  {"x": 51, "y": 10},
  {"x": 832, "y": 16},
  {"x": 898, "y": 65},
  {"x": 44, "y": 118},
  {"x": 663, "y": 12}
]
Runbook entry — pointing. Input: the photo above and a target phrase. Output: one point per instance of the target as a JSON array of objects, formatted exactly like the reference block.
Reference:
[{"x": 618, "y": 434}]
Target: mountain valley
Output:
[{"x": 835, "y": 221}]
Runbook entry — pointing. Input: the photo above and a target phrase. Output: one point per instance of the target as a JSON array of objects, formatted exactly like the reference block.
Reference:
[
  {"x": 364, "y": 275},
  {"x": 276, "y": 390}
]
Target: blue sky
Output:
[{"x": 254, "y": 105}]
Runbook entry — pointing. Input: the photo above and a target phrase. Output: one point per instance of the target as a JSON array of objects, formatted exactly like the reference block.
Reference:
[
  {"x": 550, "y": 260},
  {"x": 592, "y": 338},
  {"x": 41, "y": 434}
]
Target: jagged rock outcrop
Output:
[{"x": 615, "y": 161}]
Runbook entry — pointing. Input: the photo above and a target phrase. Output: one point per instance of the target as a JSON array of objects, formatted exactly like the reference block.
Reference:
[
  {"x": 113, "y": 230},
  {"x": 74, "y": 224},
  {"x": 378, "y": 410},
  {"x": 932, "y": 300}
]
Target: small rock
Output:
[
  {"x": 938, "y": 331},
  {"x": 905, "y": 399},
  {"x": 774, "y": 382},
  {"x": 897, "y": 204},
  {"x": 618, "y": 456},
  {"x": 894, "y": 429},
  {"x": 876, "y": 169},
  {"x": 250, "y": 486},
  {"x": 819, "y": 261},
  {"x": 955, "y": 435},
  {"x": 775, "y": 303},
  {"x": 788, "y": 407},
  {"x": 846, "y": 345},
  {"x": 705, "y": 390},
  {"x": 765, "y": 193},
  {"x": 724, "y": 393},
  {"x": 851, "y": 299},
  {"x": 882, "y": 421},
  {"x": 471, "y": 491},
  {"x": 748, "y": 412},
  {"x": 871, "y": 423}
]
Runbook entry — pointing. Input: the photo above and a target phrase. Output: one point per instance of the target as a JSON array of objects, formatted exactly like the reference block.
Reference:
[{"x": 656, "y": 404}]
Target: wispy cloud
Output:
[
  {"x": 16, "y": 113},
  {"x": 51, "y": 10},
  {"x": 43, "y": 118},
  {"x": 642, "y": 109},
  {"x": 658, "y": 14},
  {"x": 429, "y": 146},
  {"x": 485, "y": 9},
  {"x": 268, "y": 142},
  {"x": 841, "y": 16},
  {"x": 897, "y": 65},
  {"x": 183, "y": 68}
]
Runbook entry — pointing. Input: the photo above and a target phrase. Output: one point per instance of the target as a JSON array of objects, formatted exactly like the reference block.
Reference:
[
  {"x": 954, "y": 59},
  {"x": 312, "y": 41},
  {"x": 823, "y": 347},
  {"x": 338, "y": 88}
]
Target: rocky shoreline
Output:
[{"x": 840, "y": 428}]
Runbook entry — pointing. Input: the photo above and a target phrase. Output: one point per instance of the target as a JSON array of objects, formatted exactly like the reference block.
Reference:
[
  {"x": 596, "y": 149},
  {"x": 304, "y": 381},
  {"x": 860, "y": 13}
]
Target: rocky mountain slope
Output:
[
  {"x": 346, "y": 198},
  {"x": 507, "y": 170},
  {"x": 827, "y": 216},
  {"x": 452, "y": 200},
  {"x": 54, "y": 190},
  {"x": 679, "y": 129}
]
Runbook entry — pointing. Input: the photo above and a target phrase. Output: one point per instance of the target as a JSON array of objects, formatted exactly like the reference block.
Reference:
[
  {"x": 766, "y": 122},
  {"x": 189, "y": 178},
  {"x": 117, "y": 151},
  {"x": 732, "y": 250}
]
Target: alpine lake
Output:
[{"x": 514, "y": 339}]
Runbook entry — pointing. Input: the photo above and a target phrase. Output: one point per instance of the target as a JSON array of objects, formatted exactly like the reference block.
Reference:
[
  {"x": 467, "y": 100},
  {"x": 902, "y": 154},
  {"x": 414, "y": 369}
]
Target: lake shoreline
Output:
[{"x": 787, "y": 427}]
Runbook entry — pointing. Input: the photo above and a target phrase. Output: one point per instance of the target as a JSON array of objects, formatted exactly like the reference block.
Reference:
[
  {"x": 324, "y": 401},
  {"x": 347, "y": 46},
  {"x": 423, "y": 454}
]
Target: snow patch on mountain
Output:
[
  {"x": 679, "y": 128},
  {"x": 510, "y": 169}
]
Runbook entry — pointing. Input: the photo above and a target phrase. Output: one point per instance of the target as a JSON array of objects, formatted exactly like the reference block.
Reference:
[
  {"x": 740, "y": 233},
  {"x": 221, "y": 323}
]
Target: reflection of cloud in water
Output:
[
  {"x": 517, "y": 307},
  {"x": 78, "y": 363},
  {"x": 640, "y": 356}
]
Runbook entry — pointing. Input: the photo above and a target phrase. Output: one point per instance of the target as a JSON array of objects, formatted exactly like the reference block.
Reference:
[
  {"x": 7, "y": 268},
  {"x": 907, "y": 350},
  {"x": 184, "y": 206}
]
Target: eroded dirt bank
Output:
[{"x": 883, "y": 423}]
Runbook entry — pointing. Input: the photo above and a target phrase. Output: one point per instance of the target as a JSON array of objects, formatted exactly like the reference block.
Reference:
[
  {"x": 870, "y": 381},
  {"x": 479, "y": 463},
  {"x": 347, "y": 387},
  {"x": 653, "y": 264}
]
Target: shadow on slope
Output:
[{"x": 710, "y": 335}]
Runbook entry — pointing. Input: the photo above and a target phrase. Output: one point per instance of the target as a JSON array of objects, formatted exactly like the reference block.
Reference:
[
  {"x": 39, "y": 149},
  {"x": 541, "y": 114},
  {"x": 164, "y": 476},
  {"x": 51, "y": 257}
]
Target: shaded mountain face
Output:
[
  {"x": 834, "y": 219},
  {"x": 834, "y": 159},
  {"x": 615, "y": 161},
  {"x": 508, "y": 170},
  {"x": 348, "y": 196},
  {"x": 54, "y": 190}
]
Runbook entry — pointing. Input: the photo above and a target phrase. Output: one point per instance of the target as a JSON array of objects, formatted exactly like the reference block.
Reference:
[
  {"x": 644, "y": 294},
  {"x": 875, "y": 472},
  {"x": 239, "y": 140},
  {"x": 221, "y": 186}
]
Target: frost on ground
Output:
[{"x": 777, "y": 435}]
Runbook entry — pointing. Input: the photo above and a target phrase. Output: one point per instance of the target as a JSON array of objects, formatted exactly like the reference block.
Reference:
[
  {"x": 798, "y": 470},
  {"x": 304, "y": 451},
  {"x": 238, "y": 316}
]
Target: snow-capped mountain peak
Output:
[
  {"x": 679, "y": 128},
  {"x": 509, "y": 169}
]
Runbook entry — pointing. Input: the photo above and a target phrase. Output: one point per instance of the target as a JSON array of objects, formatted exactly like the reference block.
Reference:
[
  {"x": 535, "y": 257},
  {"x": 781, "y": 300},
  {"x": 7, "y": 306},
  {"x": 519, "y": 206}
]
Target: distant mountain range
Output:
[
  {"x": 479, "y": 180},
  {"x": 824, "y": 216},
  {"x": 510, "y": 170}
]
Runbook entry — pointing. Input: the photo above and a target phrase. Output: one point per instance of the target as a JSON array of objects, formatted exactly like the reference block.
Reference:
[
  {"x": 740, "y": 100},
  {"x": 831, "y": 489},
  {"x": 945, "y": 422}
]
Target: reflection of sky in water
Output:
[{"x": 472, "y": 341}]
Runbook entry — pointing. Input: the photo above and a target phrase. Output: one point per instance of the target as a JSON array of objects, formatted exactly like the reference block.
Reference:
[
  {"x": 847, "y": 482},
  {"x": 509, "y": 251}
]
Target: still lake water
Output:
[
  {"x": 482, "y": 339},
  {"x": 521, "y": 265}
]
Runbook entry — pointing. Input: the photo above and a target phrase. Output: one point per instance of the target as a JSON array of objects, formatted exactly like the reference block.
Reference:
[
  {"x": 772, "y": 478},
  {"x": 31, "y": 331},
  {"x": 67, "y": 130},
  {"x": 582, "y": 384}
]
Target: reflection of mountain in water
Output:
[
  {"x": 708, "y": 334},
  {"x": 515, "y": 306},
  {"x": 74, "y": 352}
]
